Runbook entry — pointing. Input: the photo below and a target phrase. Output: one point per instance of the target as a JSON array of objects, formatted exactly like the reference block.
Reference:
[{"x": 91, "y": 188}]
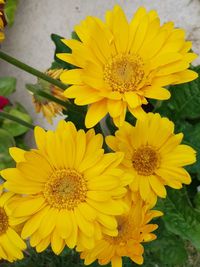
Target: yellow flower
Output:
[
  {"x": 2, "y": 35},
  {"x": 49, "y": 108},
  {"x": 154, "y": 155},
  {"x": 11, "y": 244},
  {"x": 121, "y": 64},
  {"x": 134, "y": 228},
  {"x": 71, "y": 191}
]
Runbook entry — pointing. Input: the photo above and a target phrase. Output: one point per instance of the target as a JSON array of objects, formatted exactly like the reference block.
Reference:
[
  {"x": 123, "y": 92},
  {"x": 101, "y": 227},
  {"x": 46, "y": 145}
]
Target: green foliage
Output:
[
  {"x": 180, "y": 217},
  {"x": 11, "y": 133},
  {"x": 184, "y": 102},
  {"x": 76, "y": 114},
  {"x": 6, "y": 141},
  {"x": 9, "y": 10},
  {"x": 167, "y": 251},
  {"x": 68, "y": 258},
  {"x": 14, "y": 128},
  {"x": 7, "y": 86},
  {"x": 60, "y": 48}
]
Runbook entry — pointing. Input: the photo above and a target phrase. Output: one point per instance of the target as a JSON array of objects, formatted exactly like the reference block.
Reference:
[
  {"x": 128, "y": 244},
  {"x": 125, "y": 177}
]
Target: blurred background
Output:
[{"x": 29, "y": 38}]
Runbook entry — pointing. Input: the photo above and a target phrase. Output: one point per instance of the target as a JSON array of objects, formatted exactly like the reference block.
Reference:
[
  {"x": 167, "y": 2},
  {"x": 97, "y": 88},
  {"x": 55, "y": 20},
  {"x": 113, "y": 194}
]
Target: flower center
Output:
[
  {"x": 124, "y": 73},
  {"x": 145, "y": 160},
  {"x": 125, "y": 231},
  {"x": 65, "y": 189},
  {"x": 3, "y": 221}
]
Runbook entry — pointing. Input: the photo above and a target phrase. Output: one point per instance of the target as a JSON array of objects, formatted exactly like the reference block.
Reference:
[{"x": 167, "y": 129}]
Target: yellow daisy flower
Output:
[
  {"x": 49, "y": 108},
  {"x": 154, "y": 155},
  {"x": 134, "y": 228},
  {"x": 11, "y": 244},
  {"x": 71, "y": 191},
  {"x": 121, "y": 64}
]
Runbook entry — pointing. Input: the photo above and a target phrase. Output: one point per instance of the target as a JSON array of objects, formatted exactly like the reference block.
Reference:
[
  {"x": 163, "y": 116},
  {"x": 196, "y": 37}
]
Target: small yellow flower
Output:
[
  {"x": 122, "y": 64},
  {"x": 71, "y": 191},
  {"x": 134, "y": 228},
  {"x": 11, "y": 245},
  {"x": 49, "y": 108},
  {"x": 154, "y": 155}
]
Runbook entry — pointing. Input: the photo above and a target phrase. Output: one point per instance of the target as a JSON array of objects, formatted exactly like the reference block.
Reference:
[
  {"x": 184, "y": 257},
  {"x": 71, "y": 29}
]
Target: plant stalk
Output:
[
  {"x": 5, "y": 115},
  {"x": 31, "y": 70}
]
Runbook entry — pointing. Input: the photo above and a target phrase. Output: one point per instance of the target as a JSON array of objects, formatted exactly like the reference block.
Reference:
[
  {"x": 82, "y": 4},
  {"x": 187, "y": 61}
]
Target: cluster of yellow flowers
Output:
[
  {"x": 2, "y": 36},
  {"x": 68, "y": 191}
]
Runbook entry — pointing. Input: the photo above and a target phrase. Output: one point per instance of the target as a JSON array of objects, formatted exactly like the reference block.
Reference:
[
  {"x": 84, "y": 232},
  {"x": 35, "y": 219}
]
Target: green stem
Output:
[
  {"x": 31, "y": 70},
  {"x": 45, "y": 95},
  {"x": 8, "y": 116}
]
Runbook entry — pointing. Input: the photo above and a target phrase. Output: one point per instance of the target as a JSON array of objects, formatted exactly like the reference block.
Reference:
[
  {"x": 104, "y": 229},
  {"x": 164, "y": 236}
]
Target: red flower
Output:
[{"x": 3, "y": 102}]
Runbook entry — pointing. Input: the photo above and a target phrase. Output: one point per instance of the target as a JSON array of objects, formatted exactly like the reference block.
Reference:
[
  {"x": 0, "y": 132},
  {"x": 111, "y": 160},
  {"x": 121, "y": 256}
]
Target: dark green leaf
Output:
[
  {"x": 192, "y": 138},
  {"x": 197, "y": 201},
  {"x": 75, "y": 36},
  {"x": 180, "y": 217},
  {"x": 60, "y": 48},
  {"x": 7, "y": 86},
  {"x": 76, "y": 114},
  {"x": 184, "y": 102}
]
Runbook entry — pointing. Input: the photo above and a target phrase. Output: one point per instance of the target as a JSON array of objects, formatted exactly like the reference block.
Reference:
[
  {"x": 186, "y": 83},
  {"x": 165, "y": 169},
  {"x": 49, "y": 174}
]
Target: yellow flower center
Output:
[
  {"x": 123, "y": 73},
  {"x": 3, "y": 221},
  {"x": 65, "y": 189},
  {"x": 145, "y": 160}
]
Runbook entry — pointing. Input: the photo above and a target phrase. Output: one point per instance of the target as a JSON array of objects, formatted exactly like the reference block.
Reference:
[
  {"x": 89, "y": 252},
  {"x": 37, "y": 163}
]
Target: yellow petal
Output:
[
  {"x": 157, "y": 93},
  {"x": 17, "y": 154},
  {"x": 157, "y": 186},
  {"x": 95, "y": 113},
  {"x": 72, "y": 76}
]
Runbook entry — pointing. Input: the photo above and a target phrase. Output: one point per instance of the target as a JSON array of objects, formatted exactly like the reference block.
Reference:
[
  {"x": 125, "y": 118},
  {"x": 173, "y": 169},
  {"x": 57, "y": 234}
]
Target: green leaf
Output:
[
  {"x": 14, "y": 128},
  {"x": 60, "y": 48},
  {"x": 74, "y": 36},
  {"x": 180, "y": 217},
  {"x": 197, "y": 201},
  {"x": 9, "y": 10},
  {"x": 76, "y": 114},
  {"x": 191, "y": 138},
  {"x": 7, "y": 86},
  {"x": 6, "y": 141},
  {"x": 184, "y": 102}
]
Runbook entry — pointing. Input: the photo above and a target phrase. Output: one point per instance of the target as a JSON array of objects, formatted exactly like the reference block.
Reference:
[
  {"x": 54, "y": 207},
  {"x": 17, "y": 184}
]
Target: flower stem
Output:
[
  {"x": 8, "y": 116},
  {"x": 45, "y": 95},
  {"x": 31, "y": 70}
]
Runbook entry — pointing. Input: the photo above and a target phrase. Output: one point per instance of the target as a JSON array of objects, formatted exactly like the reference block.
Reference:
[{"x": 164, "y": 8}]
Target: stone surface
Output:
[{"x": 29, "y": 38}]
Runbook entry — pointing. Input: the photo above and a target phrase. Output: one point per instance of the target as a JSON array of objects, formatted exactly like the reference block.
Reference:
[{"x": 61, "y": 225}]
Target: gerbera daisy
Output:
[
  {"x": 71, "y": 191},
  {"x": 121, "y": 64},
  {"x": 49, "y": 108},
  {"x": 134, "y": 228},
  {"x": 153, "y": 154},
  {"x": 11, "y": 244}
]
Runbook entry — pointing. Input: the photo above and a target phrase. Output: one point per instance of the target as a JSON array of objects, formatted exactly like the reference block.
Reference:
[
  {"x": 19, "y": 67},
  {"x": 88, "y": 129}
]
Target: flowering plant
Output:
[
  {"x": 11, "y": 132},
  {"x": 118, "y": 161}
]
